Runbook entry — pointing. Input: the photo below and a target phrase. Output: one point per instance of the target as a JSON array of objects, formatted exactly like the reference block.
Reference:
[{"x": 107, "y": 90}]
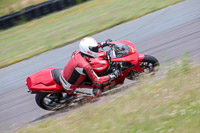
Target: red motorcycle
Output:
[{"x": 119, "y": 55}]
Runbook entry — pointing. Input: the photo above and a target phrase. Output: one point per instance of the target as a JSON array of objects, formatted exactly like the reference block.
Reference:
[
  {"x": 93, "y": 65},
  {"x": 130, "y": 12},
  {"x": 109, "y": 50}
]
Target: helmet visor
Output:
[{"x": 94, "y": 49}]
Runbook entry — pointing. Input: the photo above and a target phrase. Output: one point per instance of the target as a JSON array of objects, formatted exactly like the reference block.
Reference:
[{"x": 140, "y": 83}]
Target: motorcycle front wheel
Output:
[
  {"x": 50, "y": 101},
  {"x": 149, "y": 65}
]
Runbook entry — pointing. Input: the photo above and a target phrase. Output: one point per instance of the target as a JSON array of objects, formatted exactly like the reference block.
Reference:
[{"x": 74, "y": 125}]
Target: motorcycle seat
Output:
[{"x": 56, "y": 74}]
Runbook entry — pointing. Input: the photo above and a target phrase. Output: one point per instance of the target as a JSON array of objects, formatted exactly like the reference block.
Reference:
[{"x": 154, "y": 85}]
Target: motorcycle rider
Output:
[{"x": 78, "y": 68}]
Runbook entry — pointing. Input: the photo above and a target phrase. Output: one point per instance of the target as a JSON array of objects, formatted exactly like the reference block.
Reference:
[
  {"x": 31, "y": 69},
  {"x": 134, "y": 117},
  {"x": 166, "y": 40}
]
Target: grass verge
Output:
[
  {"x": 61, "y": 28},
  {"x": 10, "y": 6},
  {"x": 168, "y": 105}
]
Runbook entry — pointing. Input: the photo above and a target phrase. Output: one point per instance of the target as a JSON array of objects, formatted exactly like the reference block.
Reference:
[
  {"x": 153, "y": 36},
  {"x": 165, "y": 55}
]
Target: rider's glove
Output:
[
  {"x": 103, "y": 44},
  {"x": 115, "y": 74}
]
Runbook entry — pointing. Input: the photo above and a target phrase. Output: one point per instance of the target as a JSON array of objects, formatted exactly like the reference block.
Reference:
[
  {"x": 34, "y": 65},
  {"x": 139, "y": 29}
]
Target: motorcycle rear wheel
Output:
[{"x": 50, "y": 101}]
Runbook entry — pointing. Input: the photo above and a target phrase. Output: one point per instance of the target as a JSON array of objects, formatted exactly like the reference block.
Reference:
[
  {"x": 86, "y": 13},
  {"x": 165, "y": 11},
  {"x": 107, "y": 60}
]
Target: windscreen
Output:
[{"x": 120, "y": 50}]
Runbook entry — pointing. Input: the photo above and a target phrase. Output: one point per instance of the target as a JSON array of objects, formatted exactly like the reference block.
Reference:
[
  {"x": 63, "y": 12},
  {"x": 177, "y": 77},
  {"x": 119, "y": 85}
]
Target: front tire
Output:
[{"x": 149, "y": 65}]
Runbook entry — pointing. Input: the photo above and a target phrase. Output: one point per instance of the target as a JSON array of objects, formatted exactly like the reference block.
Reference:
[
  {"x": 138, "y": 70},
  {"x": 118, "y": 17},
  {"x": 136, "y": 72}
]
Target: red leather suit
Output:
[{"x": 75, "y": 72}]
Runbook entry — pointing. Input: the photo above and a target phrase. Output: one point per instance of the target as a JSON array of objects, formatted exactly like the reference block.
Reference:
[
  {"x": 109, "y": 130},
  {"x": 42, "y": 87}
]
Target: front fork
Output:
[
  {"x": 136, "y": 70},
  {"x": 137, "y": 67}
]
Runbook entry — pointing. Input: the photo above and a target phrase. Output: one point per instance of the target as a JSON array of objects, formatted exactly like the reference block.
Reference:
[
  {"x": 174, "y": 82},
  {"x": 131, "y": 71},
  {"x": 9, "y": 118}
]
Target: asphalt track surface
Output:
[{"x": 165, "y": 34}]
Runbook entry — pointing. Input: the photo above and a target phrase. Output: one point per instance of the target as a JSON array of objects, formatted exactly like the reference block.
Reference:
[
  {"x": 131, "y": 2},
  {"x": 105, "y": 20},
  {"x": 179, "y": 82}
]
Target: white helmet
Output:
[{"x": 89, "y": 46}]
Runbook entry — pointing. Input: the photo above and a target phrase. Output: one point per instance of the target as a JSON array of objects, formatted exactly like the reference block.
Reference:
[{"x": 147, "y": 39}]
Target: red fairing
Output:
[
  {"x": 141, "y": 57},
  {"x": 132, "y": 56},
  {"x": 43, "y": 81},
  {"x": 99, "y": 65}
]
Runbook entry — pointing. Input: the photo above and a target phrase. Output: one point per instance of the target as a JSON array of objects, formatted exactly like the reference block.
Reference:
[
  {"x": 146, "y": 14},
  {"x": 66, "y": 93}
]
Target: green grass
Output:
[
  {"x": 61, "y": 28},
  {"x": 168, "y": 105},
  {"x": 10, "y": 6}
]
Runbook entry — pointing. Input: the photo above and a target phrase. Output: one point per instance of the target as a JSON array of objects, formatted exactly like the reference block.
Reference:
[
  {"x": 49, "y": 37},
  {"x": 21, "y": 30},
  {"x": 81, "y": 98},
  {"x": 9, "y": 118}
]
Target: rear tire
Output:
[{"x": 49, "y": 101}]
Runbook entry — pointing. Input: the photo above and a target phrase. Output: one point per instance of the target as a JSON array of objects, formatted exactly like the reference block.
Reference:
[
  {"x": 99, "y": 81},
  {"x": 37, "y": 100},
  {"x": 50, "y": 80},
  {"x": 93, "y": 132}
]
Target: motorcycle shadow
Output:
[
  {"x": 67, "y": 109},
  {"x": 63, "y": 111}
]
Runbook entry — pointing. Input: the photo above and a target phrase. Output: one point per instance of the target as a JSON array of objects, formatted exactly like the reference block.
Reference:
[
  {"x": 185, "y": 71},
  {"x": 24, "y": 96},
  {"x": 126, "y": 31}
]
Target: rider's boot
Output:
[
  {"x": 97, "y": 92},
  {"x": 90, "y": 92}
]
